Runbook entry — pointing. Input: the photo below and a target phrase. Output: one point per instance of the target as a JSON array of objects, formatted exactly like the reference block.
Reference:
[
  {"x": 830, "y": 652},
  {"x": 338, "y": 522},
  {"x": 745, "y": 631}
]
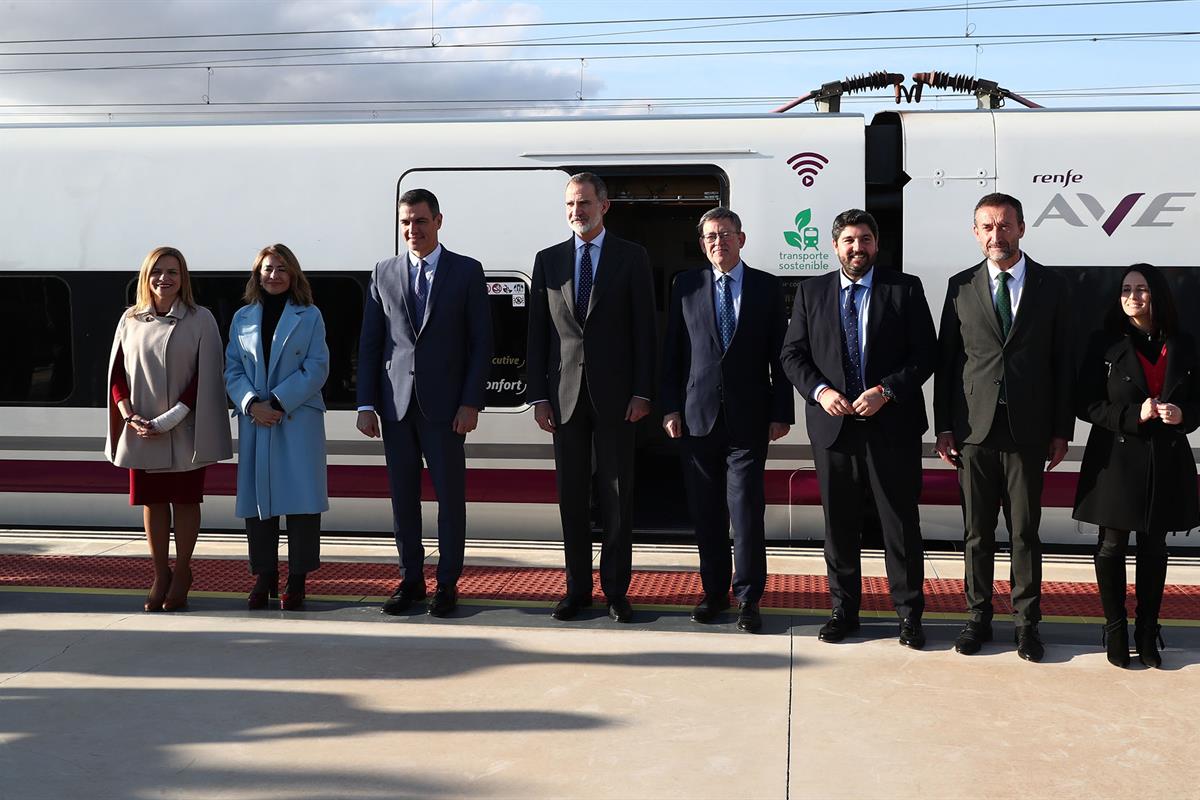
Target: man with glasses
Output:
[
  {"x": 725, "y": 397},
  {"x": 860, "y": 345}
]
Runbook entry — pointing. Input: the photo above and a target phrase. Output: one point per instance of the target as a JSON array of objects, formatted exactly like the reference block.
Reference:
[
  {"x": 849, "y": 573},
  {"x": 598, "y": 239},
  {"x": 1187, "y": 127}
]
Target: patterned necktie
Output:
[
  {"x": 583, "y": 293},
  {"x": 851, "y": 353},
  {"x": 420, "y": 296},
  {"x": 1004, "y": 305},
  {"x": 726, "y": 318}
]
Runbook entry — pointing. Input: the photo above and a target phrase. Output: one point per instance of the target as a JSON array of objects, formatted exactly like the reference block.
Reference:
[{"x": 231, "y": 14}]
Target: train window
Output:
[
  {"x": 340, "y": 299},
  {"x": 35, "y": 326},
  {"x": 510, "y": 323}
]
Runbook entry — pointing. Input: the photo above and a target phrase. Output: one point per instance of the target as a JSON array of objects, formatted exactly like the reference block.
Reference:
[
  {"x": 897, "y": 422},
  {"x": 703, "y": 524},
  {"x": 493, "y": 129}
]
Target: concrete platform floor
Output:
[{"x": 100, "y": 701}]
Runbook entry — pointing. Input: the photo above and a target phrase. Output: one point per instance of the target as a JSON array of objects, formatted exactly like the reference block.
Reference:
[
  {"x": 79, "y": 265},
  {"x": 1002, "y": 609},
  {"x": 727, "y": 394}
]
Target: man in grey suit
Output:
[
  {"x": 591, "y": 373},
  {"x": 1002, "y": 408},
  {"x": 423, "y": 360}
]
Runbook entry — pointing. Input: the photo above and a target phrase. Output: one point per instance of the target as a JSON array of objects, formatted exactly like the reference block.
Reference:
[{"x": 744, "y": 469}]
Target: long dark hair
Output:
[{"x": 1162, "y": 303}]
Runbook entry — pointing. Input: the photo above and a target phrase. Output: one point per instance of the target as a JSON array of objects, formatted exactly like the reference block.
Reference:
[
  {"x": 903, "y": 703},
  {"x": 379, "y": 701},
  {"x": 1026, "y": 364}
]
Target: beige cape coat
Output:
[{"x": 161, "y": 354}]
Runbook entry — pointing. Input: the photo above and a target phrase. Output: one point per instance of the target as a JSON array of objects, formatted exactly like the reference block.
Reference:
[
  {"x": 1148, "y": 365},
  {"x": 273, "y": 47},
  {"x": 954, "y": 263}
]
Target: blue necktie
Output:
[
  {"x": 420, "y": 296},
  {"x": 851, "y": 353},
  {"x": 584, "y": 292},
  {"x": 726, "y": 319}
]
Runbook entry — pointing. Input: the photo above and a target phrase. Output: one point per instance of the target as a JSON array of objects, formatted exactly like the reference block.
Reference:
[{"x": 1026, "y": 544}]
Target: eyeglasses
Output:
[{"x": 711, "y": 238}]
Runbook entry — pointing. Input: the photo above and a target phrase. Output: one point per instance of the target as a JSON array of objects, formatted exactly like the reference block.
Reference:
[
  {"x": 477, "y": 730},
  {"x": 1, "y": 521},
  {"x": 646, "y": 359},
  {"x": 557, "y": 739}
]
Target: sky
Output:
[{"x": 490, "y": 58}]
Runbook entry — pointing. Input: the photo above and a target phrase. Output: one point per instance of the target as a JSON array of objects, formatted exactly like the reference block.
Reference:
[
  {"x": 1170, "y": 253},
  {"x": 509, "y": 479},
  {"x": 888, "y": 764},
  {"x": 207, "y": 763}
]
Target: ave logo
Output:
[{"x": 1084, "y": 210}]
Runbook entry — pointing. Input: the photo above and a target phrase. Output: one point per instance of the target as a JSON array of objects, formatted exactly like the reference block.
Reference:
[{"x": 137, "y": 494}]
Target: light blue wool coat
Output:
[{"x": 281, "y": 469}]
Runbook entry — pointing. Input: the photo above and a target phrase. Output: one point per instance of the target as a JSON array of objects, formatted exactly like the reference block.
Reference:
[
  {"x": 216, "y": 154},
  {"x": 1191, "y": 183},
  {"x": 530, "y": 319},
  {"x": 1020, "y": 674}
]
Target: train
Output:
[{"x": 80, "y": 206}]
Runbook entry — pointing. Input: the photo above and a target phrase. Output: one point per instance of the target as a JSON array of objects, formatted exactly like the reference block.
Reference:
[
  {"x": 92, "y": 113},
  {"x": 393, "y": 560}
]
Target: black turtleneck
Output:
[{"x": 272, "y": 310}]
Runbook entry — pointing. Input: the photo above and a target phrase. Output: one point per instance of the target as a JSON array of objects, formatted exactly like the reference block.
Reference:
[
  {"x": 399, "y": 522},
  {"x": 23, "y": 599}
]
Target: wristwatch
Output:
[{"x": 887, "y": 393}]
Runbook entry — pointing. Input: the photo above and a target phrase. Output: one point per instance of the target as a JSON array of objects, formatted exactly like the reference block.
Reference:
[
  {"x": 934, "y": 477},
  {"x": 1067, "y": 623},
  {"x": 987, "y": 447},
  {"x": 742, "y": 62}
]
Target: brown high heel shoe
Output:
[
  {"x": 158, "y": 591},
  {"x": 181, "y": 583}
]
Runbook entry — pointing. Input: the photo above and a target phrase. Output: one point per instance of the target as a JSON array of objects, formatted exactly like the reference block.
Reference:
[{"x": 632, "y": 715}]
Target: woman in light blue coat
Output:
[{"x": 275, "y": 366}]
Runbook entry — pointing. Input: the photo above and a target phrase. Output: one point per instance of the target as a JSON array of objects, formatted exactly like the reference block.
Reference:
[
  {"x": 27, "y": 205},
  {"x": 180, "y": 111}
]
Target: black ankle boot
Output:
[
  {"x": 1147, "y": 638},
  {"x": 293, "y": 593},
  {"x": 1116, "y": 640},
  {"x": 266, "y": 586},
  {"x": 1110, "y": 580}
]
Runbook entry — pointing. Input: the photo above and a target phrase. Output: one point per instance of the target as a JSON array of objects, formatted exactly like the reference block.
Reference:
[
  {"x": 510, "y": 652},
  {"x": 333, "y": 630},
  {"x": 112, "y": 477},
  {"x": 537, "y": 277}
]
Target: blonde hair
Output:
[
  {"x": 145, "y": 298},
  {"x": 300, "y": 291}
]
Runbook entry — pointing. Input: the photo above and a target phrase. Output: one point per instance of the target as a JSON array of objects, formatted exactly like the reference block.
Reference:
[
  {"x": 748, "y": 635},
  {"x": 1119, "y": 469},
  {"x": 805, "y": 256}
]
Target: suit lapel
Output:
[
  {"x": 983, "y": 293},
  {"x": 705, "y": 309},
  {"x": 440, "y": 276},
  {"x": 1175, "y": 368},
  {"x": 566, "y": 268},
  {"x": 288, "y": 321},
  {"x": 401, "y": 266},
  {"x": 881, "y": 294},
  {"x": 608, "y": 263},
  {"x": 1029, "y": 297},
  {"x": 1126, "y": 363}
]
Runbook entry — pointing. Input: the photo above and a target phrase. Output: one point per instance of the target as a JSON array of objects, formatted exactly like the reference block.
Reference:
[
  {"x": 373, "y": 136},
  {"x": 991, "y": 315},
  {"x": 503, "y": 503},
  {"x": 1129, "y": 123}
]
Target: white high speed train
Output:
[{"x": 80, "y": 205}]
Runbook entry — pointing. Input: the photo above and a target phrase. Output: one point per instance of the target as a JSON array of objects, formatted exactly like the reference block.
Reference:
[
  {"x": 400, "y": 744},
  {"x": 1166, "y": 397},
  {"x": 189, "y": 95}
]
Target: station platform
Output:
[{"x": 101, "y": 700}]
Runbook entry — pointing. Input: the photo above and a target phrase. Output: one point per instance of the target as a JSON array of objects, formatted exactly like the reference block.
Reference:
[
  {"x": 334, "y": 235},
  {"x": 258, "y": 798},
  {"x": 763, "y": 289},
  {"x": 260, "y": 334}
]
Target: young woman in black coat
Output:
[{"x": 1139, "y": 388}]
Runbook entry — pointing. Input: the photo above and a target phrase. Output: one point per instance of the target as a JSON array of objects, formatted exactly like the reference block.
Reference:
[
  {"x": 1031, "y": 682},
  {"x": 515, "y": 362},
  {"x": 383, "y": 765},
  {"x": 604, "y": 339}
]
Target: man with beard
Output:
[
  {"x": 860, "y": 345},
  {"x": 591, "y": 374},
  {"x": 1002, "y": 408}
]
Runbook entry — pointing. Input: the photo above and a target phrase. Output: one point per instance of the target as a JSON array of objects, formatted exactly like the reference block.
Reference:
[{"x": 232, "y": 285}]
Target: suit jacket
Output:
[
  {"x": 697, "y": 377},
  {"x": 161, "y": 355},
  {"x": 614, "y": 348},
  {"x": 901, "y": 351},
  {"x": 1137, "y": 476},
  {"x": 442, "y": 360},
  {"x": 1035, "y": 363},
  {"x": 281, "y": 469}
]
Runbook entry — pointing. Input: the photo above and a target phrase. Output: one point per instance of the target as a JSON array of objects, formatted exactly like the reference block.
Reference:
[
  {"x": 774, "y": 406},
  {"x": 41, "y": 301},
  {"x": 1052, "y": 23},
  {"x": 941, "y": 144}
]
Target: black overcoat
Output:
[{"x": 1137, "y": 476}]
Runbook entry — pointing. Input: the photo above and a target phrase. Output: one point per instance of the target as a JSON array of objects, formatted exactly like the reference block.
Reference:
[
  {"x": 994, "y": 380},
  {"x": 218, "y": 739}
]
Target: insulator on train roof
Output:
[
  {"x": 989, "y": 94},
  {"x": 828, "y": 97}
]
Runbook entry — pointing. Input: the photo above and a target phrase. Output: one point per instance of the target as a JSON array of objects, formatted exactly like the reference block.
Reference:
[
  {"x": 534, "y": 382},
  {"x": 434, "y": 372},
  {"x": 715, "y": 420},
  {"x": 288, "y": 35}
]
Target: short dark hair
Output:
[
  {"x": 854, "y": 216},
  {"x": 592, "y": 178},
  {"x": 1000, "y": 200},
  {"x": 417, "y": 196},
  {"x": 720, "y": 212},
  {"x": 1162, "y": 303}
]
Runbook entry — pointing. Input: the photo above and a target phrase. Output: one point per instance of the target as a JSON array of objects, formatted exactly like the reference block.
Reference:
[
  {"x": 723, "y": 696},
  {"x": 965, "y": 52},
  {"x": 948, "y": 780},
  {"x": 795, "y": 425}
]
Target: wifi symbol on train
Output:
[{"x": 808, "y": 166}]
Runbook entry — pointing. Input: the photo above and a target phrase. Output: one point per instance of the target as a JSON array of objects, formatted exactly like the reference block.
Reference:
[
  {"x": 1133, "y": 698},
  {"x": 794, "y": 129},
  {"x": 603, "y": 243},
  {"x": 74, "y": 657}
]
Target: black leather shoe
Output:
[
  {"x": 403, "y": 598},
  {"x": 838, "y": 627},
  {"x": 912, "y": 634},
  {"x": 266, "y": 586},
  {"x": 568, "y": 607},
  {"x": 444, "y": 601},
  {"x": 619, "y": 610},
  {"x": 1147, "y": 638},
  {"x": 1029, "y": 643},
  {"x": 749, "y": 619},
  {"x": 972, "y": 637},
  {"x": 710, "y": 608},
  {"x": 1115, "y": 638}
]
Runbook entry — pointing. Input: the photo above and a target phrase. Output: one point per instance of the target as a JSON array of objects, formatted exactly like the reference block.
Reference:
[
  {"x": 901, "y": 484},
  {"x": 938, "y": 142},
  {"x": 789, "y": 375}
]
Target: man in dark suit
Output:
[
  {"x": 591, "y": 373},
  {"x": 724, "y": 394},
  {"x": 423, "y": 360},
  {"x": 860, "y": 345},
  {"x": 1002, "y": 408}
]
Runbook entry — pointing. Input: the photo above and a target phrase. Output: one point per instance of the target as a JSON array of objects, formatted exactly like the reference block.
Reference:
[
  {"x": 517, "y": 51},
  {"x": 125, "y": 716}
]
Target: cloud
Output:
[{"x": 416, "y": 74}]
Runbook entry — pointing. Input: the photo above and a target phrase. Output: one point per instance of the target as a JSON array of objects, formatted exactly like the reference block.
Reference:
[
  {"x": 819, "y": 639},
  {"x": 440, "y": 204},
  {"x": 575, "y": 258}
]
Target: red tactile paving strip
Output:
[{"x": 660, "y": 588}]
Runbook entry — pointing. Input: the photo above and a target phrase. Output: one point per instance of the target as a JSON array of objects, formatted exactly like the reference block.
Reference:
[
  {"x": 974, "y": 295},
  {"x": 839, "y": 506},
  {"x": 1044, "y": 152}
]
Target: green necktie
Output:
[{"x": 1004, "y": 305}]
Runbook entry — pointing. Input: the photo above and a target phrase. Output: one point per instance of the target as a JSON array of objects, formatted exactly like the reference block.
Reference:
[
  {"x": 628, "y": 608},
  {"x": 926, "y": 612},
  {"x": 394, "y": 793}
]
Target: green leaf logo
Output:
[
  {"x": 803, "y": 218},
  {"x": 793, "y": 239}
]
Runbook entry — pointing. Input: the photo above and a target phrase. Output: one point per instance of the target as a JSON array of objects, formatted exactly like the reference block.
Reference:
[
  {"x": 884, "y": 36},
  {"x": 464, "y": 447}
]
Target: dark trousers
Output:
[
  {"x": 405, "y": 443},
  {"x": 863, "y": 459},
  {"x": 998, "y": 474},
  {"x": 612, "y": 443},
  {"x": 1151, "y": 570},
  {"x": 304, "y": 544},
  {"x": 724, "y": 481}
]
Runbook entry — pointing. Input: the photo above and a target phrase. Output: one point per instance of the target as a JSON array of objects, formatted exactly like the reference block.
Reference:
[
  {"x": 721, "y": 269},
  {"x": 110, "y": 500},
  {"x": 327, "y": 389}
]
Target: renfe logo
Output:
[
  {"x": 1061, "y": 208},
  {"x": 808, "y": 166},
  {"x": 1066, "y": 179}
]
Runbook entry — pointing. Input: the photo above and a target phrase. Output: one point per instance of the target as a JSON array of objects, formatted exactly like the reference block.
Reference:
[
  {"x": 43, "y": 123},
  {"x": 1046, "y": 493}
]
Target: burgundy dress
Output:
[{"x": 153, "y": 488}]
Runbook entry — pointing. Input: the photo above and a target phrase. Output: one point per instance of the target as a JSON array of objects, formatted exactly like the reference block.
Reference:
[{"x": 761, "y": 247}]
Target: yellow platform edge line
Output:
[{"x": 503, "y": 603}]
